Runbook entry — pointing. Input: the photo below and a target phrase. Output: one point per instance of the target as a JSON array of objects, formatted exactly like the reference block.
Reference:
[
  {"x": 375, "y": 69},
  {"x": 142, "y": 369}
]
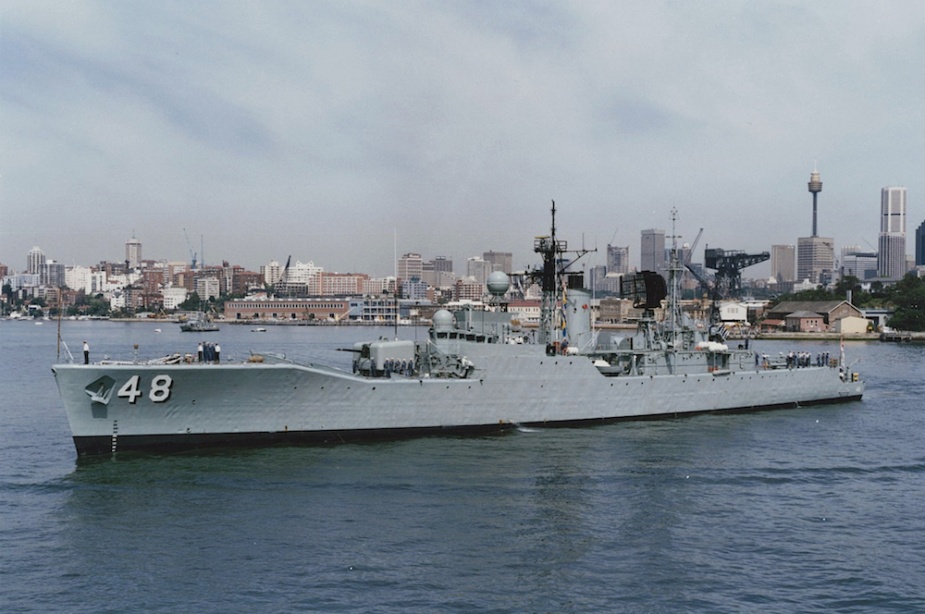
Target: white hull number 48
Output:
[{"x": 160, "y": 389}]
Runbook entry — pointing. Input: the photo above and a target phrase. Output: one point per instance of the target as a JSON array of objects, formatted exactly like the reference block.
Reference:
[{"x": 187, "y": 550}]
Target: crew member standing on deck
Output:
[
  {"x": 199, "y": 349},
  {"x": 86, "y": 353},
  {"x": 218, "y": 353}
]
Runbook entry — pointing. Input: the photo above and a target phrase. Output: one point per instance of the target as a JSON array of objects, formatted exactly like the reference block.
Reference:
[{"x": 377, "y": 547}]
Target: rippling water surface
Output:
[{"x": 813, "y": 510}]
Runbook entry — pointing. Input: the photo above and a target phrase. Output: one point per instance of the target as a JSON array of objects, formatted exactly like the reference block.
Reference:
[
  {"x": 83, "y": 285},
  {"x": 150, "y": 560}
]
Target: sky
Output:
[{"x": 344, "y": 132}]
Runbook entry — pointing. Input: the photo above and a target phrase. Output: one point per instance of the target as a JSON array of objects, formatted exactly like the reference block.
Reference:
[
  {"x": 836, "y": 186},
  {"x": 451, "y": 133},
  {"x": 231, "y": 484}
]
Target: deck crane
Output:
[{"x": 192, "y": 254}]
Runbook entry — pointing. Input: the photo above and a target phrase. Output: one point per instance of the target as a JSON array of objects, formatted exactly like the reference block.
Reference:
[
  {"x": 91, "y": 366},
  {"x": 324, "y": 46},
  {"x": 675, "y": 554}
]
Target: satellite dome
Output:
[
  {"x": 498, "y": 283},
  {"x": 443, "y": 320}
]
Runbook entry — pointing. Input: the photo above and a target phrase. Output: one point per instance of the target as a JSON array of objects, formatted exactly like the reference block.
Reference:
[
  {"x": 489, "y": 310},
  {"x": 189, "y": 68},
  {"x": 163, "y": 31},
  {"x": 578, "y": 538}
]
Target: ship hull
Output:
[
  {"x": 106, "y": 444},
  {"x": 171, "y": 407}
]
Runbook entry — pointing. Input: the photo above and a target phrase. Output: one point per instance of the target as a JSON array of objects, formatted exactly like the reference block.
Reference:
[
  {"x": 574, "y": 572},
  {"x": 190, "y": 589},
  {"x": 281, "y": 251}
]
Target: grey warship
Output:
[{"x": 477, "y": 372}]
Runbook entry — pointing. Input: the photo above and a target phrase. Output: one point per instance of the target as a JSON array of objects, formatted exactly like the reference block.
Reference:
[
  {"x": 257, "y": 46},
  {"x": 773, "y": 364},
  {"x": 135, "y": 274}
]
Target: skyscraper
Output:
[
  {"x": 618, "y": 259},
  {"x": 783, "y": 263},
  {"x": 438, "y": 272},
  {"x": 35, "y": 261},
  {"x": 891, "y": 261},
  {"x": 53, "y": 274},
  {"x": 478, "y": 268},
  {"x": 442, "y": 264},
  {"x": 499, "y": 261},
  {"x": 857, "y": 263},
  {"x": 920, "y": 245},
  {"x": 133, "y": 252},
  {"x": 272, "y": 273},
  {"x": 652, "y": 251},
  {"x": 410, "y": 266},
  {"x": 410, "y": 274},
  {"x": 815, "y": 259}
]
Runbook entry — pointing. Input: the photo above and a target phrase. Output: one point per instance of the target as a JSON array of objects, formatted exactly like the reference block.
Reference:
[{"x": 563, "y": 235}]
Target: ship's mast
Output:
[
  {"x": 549, "y": 248},
  {"x": 553, "y": 277},
  {"x": 674, "y": 283}
]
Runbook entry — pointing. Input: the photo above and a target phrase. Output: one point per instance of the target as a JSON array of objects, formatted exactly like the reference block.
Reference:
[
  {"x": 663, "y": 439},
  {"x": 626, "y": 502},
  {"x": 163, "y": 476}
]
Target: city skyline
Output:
[
  {"x": 654, "y": 253},
  {"x": 132, "y": 251},
  {"x": 327, "y": 131}
]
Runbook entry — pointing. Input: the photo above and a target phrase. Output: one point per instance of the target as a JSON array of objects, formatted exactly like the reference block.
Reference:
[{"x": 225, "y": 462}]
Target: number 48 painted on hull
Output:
[{"x": 160, "y": 389}]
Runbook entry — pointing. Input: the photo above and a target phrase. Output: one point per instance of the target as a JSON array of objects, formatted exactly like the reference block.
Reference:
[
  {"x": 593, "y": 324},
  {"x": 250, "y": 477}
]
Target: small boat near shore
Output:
[{"x": 198, "y": 322}]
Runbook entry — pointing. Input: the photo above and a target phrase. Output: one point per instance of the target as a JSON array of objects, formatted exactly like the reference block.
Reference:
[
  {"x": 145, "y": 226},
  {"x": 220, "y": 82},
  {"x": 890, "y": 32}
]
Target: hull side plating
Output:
[{"x": 268, "y": 403}]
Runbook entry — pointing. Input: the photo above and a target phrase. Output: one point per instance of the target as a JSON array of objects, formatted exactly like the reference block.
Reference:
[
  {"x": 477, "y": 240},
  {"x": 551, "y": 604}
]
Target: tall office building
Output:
[
  {"x": 52, "y": 274},
  {"x": 272, "y": 273},
  {"x": 411, "y": 275},
  {"x": 920, "y": 245},
  {"x": 35, "y": 261},
  {"x": 618, "y": 259},
  {"x": 816, "y": 259},
  {"x": 410, "y": 266},
  {"x": 891, "y": 261},
  {"x": 442, "y": 264},
  {"x": 856, "y": 263},
  {"x": 499, "y": 261},
  {"x": 438, "y": 272},
  {"x": 783, "y": 263},
  {"x": 479, "y": 269},
  {"x": 133, "y": 252},
  {"x": 595, "y": 277},
  {"x": 652, "y": 251}
]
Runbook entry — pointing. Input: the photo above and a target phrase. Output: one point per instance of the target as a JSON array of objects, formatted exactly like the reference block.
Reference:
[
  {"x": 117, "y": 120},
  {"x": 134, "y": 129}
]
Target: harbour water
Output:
[{"x": 814, "y": 509}]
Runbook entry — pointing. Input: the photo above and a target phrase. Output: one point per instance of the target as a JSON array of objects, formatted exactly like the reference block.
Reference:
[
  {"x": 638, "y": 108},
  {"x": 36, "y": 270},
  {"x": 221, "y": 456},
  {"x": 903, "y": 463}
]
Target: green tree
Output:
[
  {"x": 859, "y": 297},
  {"x": 817, "y": 294},
  {"x": 192, "y": 303},
  {"x": 908, "y": 297},
  {"x": 97, "y": 306}
]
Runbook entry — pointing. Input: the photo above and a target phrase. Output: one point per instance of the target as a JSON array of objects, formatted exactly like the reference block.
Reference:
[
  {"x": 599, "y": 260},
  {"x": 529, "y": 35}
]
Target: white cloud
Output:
[{"x": 319, "y": 129}]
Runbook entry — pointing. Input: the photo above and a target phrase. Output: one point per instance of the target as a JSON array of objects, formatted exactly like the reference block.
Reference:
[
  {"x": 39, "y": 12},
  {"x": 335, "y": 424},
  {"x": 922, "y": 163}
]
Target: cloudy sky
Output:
[{"x": 334, "y": 131}]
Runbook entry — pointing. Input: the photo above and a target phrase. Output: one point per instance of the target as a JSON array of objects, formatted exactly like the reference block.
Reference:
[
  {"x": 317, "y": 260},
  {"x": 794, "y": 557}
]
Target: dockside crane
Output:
[
  {"x": 192, "y": 254},
  {"x": 690, "y": 253},
  {"x": 687, "y": 262},
  {"x": 728, "y": 265}
]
